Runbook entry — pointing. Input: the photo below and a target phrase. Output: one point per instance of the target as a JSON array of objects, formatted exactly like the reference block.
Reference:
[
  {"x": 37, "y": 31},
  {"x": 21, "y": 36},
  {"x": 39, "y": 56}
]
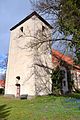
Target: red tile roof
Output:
[
  {"x": 57, "y": 56},
  {"x": 2, "y": 83}
]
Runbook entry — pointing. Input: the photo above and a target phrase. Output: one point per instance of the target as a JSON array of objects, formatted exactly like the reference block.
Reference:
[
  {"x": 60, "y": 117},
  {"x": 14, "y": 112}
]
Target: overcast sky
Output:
[{"x": 11, "y": 12}]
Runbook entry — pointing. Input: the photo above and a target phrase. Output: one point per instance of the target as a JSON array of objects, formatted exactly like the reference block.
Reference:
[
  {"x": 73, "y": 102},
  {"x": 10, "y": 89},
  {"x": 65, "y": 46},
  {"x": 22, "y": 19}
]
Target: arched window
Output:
[{"x": 62, "y": 74}]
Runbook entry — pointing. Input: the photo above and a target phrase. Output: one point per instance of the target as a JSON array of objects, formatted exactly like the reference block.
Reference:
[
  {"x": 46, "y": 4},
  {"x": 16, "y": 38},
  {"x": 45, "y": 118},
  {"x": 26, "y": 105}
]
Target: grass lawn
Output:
[{"x": 40, "y": 108}]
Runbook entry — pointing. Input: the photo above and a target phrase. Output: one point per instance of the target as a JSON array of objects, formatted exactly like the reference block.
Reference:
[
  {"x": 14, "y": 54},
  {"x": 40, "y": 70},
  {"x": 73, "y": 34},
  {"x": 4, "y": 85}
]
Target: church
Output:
[{"x": 31, "y": 60}]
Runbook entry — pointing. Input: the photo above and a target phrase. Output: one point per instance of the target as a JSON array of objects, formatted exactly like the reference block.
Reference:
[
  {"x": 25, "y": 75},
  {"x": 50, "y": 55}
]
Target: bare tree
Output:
[
  {"x": 3, "y": 65},
  {"x": 41, "y": 43},
  {"x": 65, "y": 23}
]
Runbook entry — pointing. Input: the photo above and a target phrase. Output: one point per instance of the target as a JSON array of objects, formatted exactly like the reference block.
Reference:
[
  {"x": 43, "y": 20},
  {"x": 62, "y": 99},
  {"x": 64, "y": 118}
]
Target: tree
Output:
[
  {"x": 56, "y": 81},
  {"x": 65, "y": 17},
  {"x": 3, "y": 65},
  {"x": 69, "y": 21}
]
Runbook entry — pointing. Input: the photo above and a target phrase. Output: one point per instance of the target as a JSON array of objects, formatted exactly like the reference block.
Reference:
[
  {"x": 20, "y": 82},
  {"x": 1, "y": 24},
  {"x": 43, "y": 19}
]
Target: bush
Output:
[{"x": 1, "y": 91}]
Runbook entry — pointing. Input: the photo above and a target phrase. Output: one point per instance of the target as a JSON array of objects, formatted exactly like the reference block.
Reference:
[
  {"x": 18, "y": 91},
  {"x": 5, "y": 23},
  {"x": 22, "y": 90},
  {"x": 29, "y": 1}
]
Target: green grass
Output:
[{"x": 40, "y": 108}]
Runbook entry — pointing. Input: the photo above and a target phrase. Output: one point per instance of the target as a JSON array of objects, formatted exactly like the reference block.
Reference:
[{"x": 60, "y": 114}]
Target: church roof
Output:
[
  {"x": 2, "y": 83},
  {"x": 28, "y": 17},
  {"x": 57, "y": 56}
]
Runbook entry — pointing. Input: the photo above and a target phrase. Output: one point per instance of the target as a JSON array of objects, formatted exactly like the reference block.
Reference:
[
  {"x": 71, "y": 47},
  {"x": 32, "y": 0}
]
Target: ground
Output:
[{"x": 41, "y": 108}]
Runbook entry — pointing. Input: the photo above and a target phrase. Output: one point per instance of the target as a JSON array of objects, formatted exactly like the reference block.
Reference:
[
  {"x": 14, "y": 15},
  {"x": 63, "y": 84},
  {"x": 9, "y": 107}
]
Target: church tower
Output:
[{"x": 29, "y": 59}]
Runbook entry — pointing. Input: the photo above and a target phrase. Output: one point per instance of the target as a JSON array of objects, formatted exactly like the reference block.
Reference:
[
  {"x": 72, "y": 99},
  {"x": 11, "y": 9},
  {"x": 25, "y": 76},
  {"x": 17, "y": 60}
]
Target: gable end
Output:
[{"x": 28, "y": 17}]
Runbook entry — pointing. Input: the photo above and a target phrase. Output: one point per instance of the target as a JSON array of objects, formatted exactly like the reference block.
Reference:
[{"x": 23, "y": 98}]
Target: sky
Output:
[{"x": 11, "y": 12}]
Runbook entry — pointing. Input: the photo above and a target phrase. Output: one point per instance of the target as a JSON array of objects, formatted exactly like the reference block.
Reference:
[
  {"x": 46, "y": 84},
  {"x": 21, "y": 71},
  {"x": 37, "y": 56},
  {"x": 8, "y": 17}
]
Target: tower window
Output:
[
  {"x": 43, "y": 28},
  {"x": 21, "y": 29}
]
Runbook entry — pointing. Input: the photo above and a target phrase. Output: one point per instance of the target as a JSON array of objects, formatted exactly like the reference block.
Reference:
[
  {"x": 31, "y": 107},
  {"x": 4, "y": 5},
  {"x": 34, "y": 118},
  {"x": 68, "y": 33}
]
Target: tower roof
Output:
[{"x": 28, "y": 17}]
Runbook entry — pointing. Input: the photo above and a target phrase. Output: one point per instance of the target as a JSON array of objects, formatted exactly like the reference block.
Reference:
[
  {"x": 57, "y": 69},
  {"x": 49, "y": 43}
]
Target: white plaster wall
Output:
[
  {"x": 21, "y": 60},
  {"x": 43, "y": 56},
  {"x": 76, "y": 78}
]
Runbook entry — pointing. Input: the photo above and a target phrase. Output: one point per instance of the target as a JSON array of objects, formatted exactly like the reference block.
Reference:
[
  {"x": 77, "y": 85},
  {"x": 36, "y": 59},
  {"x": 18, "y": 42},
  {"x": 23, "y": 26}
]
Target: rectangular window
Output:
[
  {"x": 64, "y": 82},
  {"x": 43, "y": 28},
  {"x": 21, "y": 29}
]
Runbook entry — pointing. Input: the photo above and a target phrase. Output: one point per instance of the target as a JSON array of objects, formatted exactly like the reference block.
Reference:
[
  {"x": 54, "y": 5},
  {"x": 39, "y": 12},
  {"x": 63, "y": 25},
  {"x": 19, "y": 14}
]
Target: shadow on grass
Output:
[
  {"x": 4, "y": 112},
  {"x": 71, "y": 101}
]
